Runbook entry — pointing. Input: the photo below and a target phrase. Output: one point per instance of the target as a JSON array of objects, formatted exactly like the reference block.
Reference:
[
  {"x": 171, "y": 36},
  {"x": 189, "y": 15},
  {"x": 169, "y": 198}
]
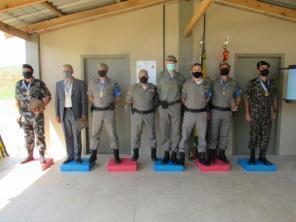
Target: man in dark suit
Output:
[{"x": 71, "y": 107}]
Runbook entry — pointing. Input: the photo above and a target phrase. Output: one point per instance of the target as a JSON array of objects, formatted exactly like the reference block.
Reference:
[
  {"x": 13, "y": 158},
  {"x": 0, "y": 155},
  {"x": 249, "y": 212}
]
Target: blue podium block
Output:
[
  {"x": 258, "y": 167},
  {"x": 169, "y": 167},
  {"x": 74, "y": 166}
]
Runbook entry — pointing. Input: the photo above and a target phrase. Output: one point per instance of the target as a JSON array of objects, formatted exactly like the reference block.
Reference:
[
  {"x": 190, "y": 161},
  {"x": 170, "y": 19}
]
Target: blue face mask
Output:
[
  {"x": 67, "y": 74},
  {"x": 171, "y": 67}
]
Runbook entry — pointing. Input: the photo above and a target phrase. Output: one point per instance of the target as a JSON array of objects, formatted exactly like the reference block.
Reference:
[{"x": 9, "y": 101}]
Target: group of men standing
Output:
[{"x": 182, "y": 104}]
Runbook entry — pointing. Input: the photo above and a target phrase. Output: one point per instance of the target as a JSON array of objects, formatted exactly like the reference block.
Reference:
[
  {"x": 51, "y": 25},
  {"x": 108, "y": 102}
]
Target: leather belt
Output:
[{"x": 221, "y": 108}]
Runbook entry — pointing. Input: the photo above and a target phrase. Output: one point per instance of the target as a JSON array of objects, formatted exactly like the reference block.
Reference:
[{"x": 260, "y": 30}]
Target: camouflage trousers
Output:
[
  {"x": 33, "y": 126},
  {"x": 260, "y": 133}
]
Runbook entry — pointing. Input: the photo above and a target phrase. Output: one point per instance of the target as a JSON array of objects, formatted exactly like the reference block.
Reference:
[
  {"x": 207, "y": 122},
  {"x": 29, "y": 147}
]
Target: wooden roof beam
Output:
[
  {"x": 198, "y": 14},
  {"x": 53, "y": 8},
  {"x": 113, "y": 9},
  {"x": 15, "y": 32},
  {"x": 6, "y": 5},
  {"x": 262, "y": 8}
]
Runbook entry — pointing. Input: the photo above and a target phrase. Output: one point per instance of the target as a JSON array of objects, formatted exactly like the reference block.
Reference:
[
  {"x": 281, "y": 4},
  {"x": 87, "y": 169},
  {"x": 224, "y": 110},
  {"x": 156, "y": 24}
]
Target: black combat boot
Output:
[
  {"x": 166, "y": 157},
  {"x": 117, "y": 159},
  {"x": 212, "y": 156},
  {"x": 153, "y": 154},
  {"x": 42, "y": 157},
  {"x": 252, "y": 160},
  {"x": 222, "y": 156},
  {"x": 174, "y": 157},
  {"x": 93, "y": 156},
  {"x": 136, "y": 154},
  {"x": 263, "y": 159},
  {"x": 79, "y": 160},
  {"x": 182, "y": 159},
  {"x": 203, "y": 159}
]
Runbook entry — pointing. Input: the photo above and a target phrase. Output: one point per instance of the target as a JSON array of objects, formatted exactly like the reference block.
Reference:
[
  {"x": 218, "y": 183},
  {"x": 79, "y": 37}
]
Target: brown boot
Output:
[{"x": 29, "y": 158}]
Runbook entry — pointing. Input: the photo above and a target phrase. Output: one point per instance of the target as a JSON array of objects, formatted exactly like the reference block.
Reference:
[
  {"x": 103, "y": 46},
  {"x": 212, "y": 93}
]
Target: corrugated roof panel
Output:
[
  {"x": 70, "y": 6},
  {"x": 27, "y": 15},
  {"x": 291, "y": 4}
]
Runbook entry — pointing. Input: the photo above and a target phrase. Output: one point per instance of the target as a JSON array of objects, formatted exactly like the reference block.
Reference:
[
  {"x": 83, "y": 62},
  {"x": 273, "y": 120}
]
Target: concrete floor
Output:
[{"x": 28, "y": 194}]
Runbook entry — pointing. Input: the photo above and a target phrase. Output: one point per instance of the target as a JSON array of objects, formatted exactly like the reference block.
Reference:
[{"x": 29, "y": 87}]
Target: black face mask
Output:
[
  {"x": 264, "y": 72},
  {"x": 143, "y": 80},
  {"x": 224, "y": 71},
  {"x": 197, "y": 75},
  {"x": 28, "y": 74},
  {"x": 102, "y": 73}
]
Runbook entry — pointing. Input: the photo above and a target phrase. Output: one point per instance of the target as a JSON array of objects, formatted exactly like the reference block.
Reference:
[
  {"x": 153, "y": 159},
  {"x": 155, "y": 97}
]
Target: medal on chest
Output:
[
  {"x": 101, "y": 94},
  {"x": 266, "y": 93}
]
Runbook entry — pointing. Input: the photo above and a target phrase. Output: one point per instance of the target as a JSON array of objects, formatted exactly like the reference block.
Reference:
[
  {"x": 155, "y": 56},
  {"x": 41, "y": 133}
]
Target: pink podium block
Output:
[
  {"x": 215, "y": 167},
  {"x": 126, "y": 165}
]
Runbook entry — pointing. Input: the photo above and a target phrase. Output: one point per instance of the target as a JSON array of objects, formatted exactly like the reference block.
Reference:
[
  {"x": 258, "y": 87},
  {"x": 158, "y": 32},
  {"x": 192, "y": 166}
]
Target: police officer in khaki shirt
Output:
[
  {"x": 226, "y": 96},
  {"x": 103, "y": 94},
  {"x": 196, "y": 93},
  {"x": 169, "y": 85},
  {"x": 143, "y": 99}
]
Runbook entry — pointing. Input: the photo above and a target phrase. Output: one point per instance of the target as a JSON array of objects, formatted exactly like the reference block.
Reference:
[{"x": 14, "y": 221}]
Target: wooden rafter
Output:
[
  {"x": 53, "y": 8},
  {"x": 198, "y": 14},
  {"x": 113, "y": 9},
  {"x": 15, "y": 32},
  {"x": 262, "y": 8},
  {"x": 6, "y": 5}
]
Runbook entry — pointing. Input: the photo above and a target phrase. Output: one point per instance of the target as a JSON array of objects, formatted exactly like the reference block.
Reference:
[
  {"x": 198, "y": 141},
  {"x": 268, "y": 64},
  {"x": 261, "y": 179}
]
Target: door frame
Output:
[
  {"x": 280, "y": 95},
  {"x": 83, "y": 58}
]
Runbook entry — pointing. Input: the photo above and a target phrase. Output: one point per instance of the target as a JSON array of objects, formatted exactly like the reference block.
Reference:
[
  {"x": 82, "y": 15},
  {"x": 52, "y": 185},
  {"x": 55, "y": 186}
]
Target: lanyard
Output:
[
  {"x": 224, "y": 86},
  {"x": 101, "y": 86},
  {"x": 68, "y": 87},
  {"x": 27, "y": 88},
  {"x": 264, "y": 87}
]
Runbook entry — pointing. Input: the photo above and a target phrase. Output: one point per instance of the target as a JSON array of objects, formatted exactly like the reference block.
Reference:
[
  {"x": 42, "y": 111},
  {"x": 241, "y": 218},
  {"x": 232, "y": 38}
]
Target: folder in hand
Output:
[{"x": 82, "y": 123}]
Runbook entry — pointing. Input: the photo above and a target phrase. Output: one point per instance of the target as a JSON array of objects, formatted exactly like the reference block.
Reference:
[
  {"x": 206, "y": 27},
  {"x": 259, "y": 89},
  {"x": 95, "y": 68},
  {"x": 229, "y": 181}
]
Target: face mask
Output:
[
  {"x": 171, "y": 67},
  {"x": 197, "y": 75},
  {"x": 67, "y": 74},
  {"x": 28, "y": 74},
  {"x": 224, "y": 71},
  {"x": 102, "y": 73},
  {"x": 143, "y": 80},
  {"x": 264, "y": 72}
]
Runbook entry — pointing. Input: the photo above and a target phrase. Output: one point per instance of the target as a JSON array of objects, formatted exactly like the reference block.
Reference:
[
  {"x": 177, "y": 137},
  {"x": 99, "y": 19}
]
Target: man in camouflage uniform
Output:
[
  {"x": 169, "y": 85},
  {"x": 225, "y": 99},
  {"x": 103, "y": 94},
  {"x": 143, "y": 99},
  {"x": 32, "y": 121},
  {"x": 196, "y": 93},
  {"x": 261, "y": 108}
]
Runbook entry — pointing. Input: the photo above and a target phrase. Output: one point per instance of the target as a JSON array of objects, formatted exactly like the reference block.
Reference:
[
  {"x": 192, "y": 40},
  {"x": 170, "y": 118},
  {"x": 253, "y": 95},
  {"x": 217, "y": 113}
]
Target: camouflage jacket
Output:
[
  {"x": 260, "y": 102},
  {"x": 23, "y": 93}
]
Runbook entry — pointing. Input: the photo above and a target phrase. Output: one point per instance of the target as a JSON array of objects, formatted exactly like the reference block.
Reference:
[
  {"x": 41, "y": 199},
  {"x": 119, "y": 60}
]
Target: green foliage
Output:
[{"x": 8, "y": 77}]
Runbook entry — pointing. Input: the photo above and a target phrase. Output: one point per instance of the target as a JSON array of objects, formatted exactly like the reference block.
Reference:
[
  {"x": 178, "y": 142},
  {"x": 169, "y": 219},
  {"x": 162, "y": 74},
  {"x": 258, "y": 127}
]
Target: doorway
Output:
[
  {"x": 245, "y": 70},
  {"x": 119, "y": 71}
]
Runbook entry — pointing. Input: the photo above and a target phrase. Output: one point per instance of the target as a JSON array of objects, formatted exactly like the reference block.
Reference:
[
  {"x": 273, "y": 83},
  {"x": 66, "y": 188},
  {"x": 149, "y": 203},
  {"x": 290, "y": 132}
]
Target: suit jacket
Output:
[{"x": 78, "y": 96}]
